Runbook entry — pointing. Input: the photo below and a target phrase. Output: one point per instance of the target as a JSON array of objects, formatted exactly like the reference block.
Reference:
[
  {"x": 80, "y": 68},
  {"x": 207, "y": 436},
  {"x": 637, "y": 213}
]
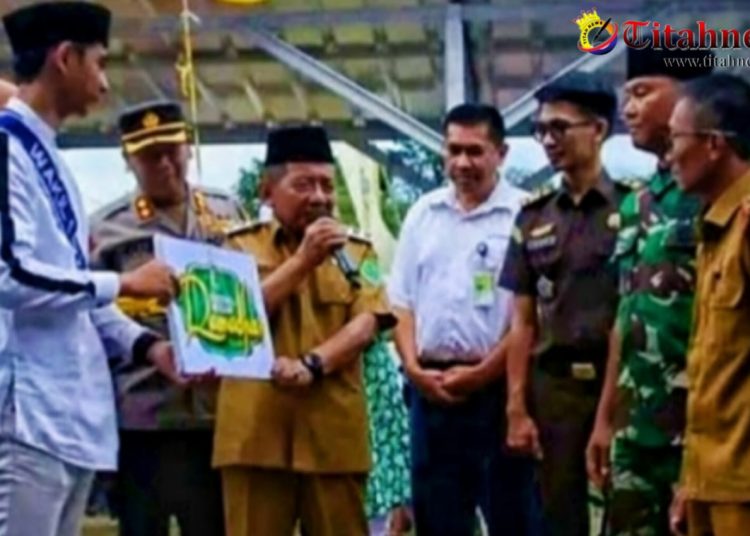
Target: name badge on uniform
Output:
[
  {"x": 545, "y": 288},
  {"x": 483, "y": 288},
  {"x": 542, "y": 237},
  {"x": 583, "y": 371}
]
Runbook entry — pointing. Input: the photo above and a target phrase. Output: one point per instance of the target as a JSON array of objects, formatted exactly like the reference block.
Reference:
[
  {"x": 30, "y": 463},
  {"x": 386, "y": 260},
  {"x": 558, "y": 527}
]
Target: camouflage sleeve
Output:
[
  {"x": 371, "y": 296},
  {"x": 624, "y": 254},
  {"x": 518, "y": 275}
]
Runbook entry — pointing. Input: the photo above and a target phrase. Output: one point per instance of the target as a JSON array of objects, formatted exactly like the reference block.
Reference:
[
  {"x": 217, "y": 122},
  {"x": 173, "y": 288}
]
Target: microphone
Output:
[
  {"x": 346, "y": 266},
  {"x": 341, "y": 258}
]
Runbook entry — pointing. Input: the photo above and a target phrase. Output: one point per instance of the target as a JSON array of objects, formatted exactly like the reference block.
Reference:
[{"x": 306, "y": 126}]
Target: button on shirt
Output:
[
  {"x": 440, "y": 251},
  {"x": 55, "y": 386}
]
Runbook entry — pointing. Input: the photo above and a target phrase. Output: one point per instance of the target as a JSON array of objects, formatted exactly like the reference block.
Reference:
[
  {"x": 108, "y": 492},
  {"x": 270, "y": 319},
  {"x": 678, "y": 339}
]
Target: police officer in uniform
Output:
[
  {"x": 564, "y": 297},
  {"x": 294, "y": 450},
  {"x": 166, "y": 432}
]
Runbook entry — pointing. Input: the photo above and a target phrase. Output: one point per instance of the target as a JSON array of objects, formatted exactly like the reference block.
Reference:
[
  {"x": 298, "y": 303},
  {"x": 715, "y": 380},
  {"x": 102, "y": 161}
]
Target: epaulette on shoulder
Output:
[
  {"x": 243, "y": 228},
  {"x": 110, "y": 210},
  {"x": 215, "y": 193},
  {"x": 538, "y": 195},
  {"x": 358, "y": 236}
]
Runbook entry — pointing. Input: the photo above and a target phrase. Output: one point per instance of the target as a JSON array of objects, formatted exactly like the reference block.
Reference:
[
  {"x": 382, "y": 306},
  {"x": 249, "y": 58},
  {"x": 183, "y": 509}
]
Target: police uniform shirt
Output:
[
  {"x": 559, "y": 255},
  {"x": 122, "y": 240},
  {"x": 440, "y": 251},
  {"x": 55, "y": 386}
]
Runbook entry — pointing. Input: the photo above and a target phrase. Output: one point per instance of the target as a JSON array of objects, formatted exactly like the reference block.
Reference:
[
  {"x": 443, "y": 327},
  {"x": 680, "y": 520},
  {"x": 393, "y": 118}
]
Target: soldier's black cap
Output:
[
  {"x": 40, "y": 26},
  {"x": 152, "y": 122},
  {"x": 672, "y": 63},
  {"x": 585, "y": 89},
  {"x": 298, "y": 144}
]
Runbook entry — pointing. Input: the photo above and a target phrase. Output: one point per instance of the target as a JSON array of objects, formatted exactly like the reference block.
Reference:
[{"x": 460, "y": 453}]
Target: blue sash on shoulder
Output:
[{"x": 53, "y": 184}]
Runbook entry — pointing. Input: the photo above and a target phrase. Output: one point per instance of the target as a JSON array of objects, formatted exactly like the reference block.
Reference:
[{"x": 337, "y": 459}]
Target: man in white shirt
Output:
[
  {"x": 452, "y": 317},
  {"x": 57, "y": 413}
]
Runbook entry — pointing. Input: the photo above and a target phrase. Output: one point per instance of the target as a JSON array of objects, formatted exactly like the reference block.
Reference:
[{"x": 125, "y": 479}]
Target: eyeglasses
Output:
[
  {"x": 556, "y": 128},
  {"x": 700, "y": 133}
]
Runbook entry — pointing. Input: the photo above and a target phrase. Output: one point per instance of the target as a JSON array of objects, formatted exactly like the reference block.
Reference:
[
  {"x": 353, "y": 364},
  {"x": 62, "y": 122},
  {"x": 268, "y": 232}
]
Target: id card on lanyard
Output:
[
  {"x": 51, "y": 180},
  {"x": 483, "y": 281}
]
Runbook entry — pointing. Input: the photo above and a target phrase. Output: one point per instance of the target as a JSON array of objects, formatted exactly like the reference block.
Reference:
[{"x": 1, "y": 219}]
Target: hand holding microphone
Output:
[
  {"x": 325, "y": 238},
  {"x": 321, "y": 237}
]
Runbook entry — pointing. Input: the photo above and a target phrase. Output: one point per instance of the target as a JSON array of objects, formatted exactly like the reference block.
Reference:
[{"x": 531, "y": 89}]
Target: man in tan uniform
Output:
[
  {"x": 295, "y": 449},
  {"x": 165, "y": 432},
  {"x": 710, "y": 156}
]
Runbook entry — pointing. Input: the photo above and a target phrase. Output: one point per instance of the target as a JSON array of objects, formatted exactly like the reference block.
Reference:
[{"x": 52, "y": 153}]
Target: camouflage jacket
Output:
[
  {"x": 122, "y": 239},
  {"x": 655, "y": 258}
]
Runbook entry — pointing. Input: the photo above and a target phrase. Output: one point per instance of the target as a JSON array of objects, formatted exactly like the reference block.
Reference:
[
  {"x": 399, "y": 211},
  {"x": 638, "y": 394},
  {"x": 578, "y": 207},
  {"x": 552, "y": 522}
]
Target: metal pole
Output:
[{"x": 347, "y": 89}]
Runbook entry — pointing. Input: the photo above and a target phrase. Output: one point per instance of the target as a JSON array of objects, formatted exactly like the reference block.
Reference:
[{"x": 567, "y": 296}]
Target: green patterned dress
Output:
[{"x": 388, "y": 485}]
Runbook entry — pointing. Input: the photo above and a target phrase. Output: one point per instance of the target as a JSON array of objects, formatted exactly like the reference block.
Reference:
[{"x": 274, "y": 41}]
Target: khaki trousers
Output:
[
  {"x": 718, "y": 519},
  {"x": 261, "y": 502}
]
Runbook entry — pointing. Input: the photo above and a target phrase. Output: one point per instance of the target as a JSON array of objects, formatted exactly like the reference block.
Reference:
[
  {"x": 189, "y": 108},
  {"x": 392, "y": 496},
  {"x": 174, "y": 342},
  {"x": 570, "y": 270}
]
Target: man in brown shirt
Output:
[
  {"x": 564, "y": 296},
  {"x": 710, "y": 156},
  {"x": 295, "y": 449}
]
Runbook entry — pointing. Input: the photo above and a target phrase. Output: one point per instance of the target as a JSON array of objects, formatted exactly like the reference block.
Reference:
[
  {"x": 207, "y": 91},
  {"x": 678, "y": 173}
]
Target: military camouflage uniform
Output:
[
  {"x": 655, "y": 257},
  {"x": 166, "y": 432},
  {"x": 559, "y": 255}
]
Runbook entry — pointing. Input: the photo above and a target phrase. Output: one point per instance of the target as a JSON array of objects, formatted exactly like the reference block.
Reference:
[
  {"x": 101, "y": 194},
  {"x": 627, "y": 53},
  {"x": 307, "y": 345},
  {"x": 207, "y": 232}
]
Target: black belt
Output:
[{"x": 445, "y": 365}]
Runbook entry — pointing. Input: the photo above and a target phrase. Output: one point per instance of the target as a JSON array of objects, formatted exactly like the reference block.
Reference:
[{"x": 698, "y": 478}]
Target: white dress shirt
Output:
[
  {"x": 440, "y": 249},
  {"x": 55, "y": 386}
]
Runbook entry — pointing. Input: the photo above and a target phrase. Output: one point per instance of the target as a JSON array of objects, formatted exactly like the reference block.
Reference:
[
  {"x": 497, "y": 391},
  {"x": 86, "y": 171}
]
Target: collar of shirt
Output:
[
  {"x": 40, "y": 127},
  {"x": 722, "y": 210},
  {"x": 603, "y": 190},
  {"x": 502, "y": 198},
  {"x": 280, "y": 235}
]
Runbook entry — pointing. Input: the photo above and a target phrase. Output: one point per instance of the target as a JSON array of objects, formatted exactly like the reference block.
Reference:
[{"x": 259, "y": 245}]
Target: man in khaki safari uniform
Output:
[
  {"x": 294, "y": 450},
  {"x": 166, "y": 431},
  {"x": 710, "y": 156}
]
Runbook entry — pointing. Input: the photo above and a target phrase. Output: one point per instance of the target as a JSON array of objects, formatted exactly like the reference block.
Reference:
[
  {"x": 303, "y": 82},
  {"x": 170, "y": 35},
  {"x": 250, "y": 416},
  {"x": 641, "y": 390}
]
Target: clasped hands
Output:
[
  {"x": 291, "y": 373},
  {"x": 447, "y": 387}
]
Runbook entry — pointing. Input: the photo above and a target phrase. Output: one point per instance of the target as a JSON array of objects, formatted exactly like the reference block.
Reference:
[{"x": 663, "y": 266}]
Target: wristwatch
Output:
[{"x": 314, "y": 364}]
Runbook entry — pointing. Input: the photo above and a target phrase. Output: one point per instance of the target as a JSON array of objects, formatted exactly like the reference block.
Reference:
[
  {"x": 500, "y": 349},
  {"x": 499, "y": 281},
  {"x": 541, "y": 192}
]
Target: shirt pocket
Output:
[
  {"x": 726, "y": 286},
  {"x": 497, "y": 248},
  {"x": 332, "y": 289},
  {"x": 546, "y": 261}
]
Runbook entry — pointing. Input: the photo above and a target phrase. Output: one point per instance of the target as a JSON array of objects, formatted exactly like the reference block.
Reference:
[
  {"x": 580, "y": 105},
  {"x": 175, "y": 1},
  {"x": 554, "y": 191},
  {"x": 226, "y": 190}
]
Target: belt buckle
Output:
[{"x": 583, "y": 371}]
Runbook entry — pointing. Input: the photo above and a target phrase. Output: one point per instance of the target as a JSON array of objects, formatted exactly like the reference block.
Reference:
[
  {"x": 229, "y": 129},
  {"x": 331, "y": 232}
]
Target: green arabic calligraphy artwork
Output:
[{"x": 218, "y": 310}]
